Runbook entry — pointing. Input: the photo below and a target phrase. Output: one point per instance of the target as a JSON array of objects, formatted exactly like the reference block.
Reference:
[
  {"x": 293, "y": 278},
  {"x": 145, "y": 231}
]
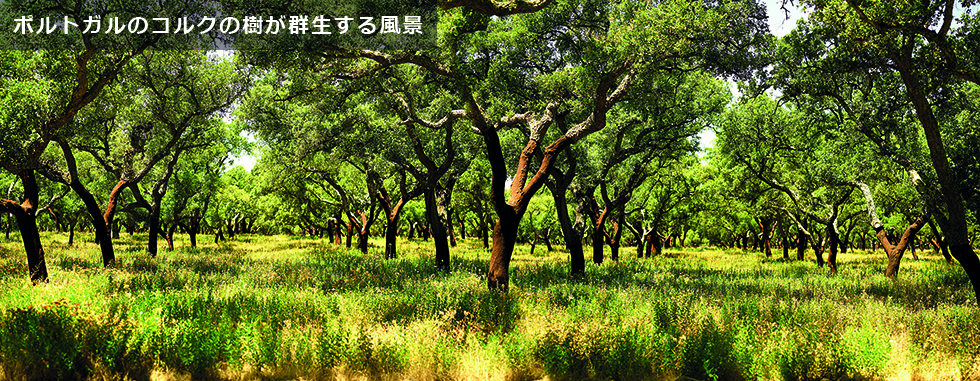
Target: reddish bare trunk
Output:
[
  {"x": 894, "y": 252},
  {"x": 615, "y": 241},
  {"x": 504, "y": 237}
]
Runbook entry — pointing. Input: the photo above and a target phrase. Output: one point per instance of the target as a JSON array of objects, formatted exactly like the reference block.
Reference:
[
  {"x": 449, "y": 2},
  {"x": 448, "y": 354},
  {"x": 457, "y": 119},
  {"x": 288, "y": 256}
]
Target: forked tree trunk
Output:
[
  {"x": 638, "y": 237},
  {"x": 657, "y": 246},
  {"x": 894, "y": 252}
]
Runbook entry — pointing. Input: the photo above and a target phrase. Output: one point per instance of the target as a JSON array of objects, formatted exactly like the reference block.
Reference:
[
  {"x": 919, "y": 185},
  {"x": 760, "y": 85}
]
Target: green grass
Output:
[{"x": 288, "y": 307}]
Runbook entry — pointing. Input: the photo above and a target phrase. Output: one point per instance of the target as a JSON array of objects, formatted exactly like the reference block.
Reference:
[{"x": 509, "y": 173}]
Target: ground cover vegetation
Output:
[
  {"x": 427, "y": 214},
  {"x": 282, "y": 307}
]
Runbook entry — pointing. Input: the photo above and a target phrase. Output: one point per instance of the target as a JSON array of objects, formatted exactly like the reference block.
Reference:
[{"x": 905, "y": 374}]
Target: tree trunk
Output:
[
  {"x": 99, "y": 223},
  {"x": 504, "y": 237},
  {"x": 154, "y": 231},
  {"x": 437, "y": 229},
  {"x": 573, "y": 242},
  {"x": 462, "y": 226},
  {"x": 71, "y": 232},
  {"x": 800, "y": 244},
  {"x": 338, "y": 232},
  {"x": 547, "y": 239},
  {"x": 785, "y": 248},
  {"x": 170, "y": 236},
  {"x": 766, "y": 223},
  {"x": 894, "y": 252},
  {"x": 833, "y": 236},
  {"x": 484, "y": 234},
  {"x": 638, "y": 237},
  {"x": 598, "y": 235},
  {"x": 655, "y": 245},
  {"x": 350, "y": 233},
  {"x": 24, "y": 214},
  {"x": 940, "y": 242},
  {"x": 391, "y": 237},
  {"x": 957, "y": 232},
  {"x": 192, "y": 233},
  {"x": 362, "y": 240},
  {"x": 617, "y": 235}
]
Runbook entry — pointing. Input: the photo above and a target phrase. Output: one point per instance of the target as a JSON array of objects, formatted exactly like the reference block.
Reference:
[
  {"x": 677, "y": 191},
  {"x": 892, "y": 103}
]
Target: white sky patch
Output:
[
  {"x": 780, "y": 24},
  {"x": 246, "y": 160}
]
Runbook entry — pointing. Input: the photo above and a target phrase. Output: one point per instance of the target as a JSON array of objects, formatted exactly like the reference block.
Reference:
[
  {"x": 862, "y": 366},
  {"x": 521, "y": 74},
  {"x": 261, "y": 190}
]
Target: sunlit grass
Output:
[{"x": 290, "y": 307}]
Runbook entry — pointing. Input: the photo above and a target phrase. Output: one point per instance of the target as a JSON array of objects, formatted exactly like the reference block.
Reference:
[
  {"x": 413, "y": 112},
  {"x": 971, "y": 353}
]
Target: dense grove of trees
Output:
[{"x": 562, "y": 123}]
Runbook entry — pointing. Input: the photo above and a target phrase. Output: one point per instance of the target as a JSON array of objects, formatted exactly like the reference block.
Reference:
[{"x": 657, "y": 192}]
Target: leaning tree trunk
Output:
[
  {"x": 99, "y": 222},
  {"x": 24, "y": 214},
  {"x": 573, "y": 242},
  {"x": 957, "y": 233}
]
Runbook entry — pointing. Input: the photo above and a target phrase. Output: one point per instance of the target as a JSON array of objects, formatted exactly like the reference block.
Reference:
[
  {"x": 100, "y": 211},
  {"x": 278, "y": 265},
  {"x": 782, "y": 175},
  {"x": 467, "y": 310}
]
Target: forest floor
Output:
[{"x": 281, "y": 308}]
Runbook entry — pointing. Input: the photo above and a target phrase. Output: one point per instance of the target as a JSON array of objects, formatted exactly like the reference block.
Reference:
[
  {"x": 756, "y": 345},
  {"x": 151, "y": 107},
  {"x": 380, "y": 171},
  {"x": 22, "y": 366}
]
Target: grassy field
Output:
[{"x": 299, "y": 308}]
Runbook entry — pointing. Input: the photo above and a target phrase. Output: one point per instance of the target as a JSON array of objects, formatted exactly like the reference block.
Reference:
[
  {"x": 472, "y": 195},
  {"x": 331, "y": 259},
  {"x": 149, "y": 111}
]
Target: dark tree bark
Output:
[
  {"x": 785, "y": 248},
  {"x": 510, "y": 211},
  {"x": 393, "y": 215},
  {"x": 437, "y": 229},
  {"x": 940, "y": 242},
  {"x": 558, "y": 184},
  {"x": 24, "y": 214},
  {"x": 956, "y": 231},
  {"x": 101, "y": 222}
]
